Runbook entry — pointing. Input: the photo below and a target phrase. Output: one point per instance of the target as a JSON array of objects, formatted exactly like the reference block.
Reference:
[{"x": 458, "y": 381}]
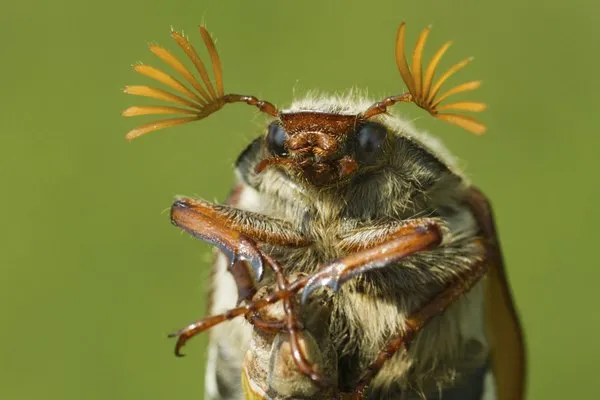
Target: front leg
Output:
[
  {"x": 228, "y": 229},
  {"x": 391, "y": 240},
  {"x": 377, "y": 247},
  {"x": 234, "y": 231}
]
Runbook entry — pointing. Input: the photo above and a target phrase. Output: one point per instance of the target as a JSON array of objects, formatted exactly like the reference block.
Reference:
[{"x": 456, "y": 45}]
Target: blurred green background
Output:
[{"x": 92, "y": 274}]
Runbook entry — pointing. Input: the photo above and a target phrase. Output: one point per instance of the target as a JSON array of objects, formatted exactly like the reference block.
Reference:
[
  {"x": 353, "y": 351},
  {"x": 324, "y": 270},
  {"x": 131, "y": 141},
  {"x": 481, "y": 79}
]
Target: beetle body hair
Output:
[{"x": 416, "y": 178}]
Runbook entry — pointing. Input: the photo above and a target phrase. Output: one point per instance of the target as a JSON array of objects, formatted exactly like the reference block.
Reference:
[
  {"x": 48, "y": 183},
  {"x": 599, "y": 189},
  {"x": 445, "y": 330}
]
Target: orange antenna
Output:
[
  {"x": 424, "y": 92},
  {"x": 196, "y": 102}
]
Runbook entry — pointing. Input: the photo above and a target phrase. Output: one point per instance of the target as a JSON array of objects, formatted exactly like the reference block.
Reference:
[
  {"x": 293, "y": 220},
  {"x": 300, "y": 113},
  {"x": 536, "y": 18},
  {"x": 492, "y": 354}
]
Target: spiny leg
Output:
[
  {"x": 292, "y": 324},
  {"x": 229, "y": 229},
  {"x": 234, "y": 231},
  {"x": 269, "y": 326},
  {"x": 185, "y": 334},
  {"x": 410, "y": 237},
  {"x": 418, "y": 319},
  {"x": 415, "y": 236}
]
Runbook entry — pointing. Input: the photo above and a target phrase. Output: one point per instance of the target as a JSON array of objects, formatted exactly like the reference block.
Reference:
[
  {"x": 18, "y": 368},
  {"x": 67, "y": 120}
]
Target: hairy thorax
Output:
[
  {"x": 373, "y": 307},
  {"x": 369, "y": 310}
]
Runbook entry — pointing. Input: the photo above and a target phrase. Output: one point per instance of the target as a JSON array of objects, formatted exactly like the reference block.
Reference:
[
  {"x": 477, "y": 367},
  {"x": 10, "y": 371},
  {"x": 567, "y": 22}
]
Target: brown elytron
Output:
[{"x": 316, "y": 149}]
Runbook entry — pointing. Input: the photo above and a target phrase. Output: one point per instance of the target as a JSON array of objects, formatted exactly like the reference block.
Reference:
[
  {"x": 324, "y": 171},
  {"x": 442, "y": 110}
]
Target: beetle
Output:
[{"x": 363, "y": 261}]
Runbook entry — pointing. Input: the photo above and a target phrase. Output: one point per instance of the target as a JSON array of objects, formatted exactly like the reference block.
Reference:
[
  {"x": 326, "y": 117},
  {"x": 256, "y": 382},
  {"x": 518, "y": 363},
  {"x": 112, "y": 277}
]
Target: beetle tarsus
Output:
[{"x": 329, "y": 277}]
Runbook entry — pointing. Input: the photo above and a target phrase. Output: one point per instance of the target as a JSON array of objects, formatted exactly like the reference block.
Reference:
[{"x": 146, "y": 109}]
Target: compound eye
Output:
[
  {"x": 276, "y": 138},
  {"x": 370, "y": 138}
]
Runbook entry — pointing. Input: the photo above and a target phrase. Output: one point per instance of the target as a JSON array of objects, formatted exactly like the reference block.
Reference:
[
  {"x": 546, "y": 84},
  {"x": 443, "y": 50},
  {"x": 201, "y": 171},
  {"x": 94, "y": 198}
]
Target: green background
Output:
[{"x": 92, "y": 274}]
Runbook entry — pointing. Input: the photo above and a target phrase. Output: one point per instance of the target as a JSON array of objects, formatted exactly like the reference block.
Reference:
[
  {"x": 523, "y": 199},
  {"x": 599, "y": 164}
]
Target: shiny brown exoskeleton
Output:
[{"x": 339, "y": 194}]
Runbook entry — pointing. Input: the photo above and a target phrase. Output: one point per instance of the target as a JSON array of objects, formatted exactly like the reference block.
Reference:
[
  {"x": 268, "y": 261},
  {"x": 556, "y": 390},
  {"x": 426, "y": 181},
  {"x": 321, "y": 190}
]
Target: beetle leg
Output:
[
  {"x": 249, "y": 308},
  {"x": 228, "y": 229},
  {"x": 417, "y": 320},
  {"x": 234, "y": 231},
  {"x": 292, "y": 324},
  {"x": 409, "y": 238},
  {"x": 412, "y": 237},
  {"x": 270, "y": 326}
]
